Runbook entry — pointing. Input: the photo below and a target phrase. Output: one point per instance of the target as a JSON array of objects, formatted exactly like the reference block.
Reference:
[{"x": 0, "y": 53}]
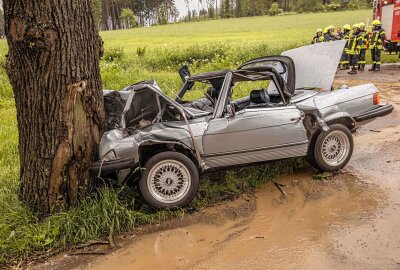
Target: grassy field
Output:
[{"x": 134, "y": 55}]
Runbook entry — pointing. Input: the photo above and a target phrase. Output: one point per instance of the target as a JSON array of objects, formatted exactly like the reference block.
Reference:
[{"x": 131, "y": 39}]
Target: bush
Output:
[
  {"x": 357, "y": 4},
  {"x": 167, "y": 57},
  {"x": 309, "y": 6},
  {"x": 333, "y": 7},
  {"x": 274, "y": 10},
  {"x": 141, "y": 51},
  {"x": 114, "y": 54},
  {"x": 5, "y": 86},
  {"x": 128, "y": 18}
]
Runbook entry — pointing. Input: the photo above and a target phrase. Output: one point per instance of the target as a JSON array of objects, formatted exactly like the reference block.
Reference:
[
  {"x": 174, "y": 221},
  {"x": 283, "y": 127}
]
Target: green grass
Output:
[
  {"x": 208, "y": 45},
  {"x": 212, "y": 45}
]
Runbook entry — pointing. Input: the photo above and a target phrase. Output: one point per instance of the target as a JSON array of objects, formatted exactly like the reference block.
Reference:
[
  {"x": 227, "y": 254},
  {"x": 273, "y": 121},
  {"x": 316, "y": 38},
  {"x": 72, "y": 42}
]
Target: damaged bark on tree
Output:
[{"x": 53, "y": 66}]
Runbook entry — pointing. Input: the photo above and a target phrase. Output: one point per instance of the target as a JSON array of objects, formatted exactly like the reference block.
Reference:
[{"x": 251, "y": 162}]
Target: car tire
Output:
[
  {"x": 170, "y": 179},
  {"x": 310, "y": 153},
  {"x": 333, "y": 149}
]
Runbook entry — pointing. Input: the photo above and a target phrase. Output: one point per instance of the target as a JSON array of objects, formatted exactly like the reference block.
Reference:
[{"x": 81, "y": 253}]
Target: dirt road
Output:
[{"x": 348, "y": 222}]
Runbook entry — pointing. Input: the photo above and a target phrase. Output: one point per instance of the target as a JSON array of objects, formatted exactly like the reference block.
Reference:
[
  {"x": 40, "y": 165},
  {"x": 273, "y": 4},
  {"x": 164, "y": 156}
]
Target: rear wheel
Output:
[
  {"x": 333, "y": 149},
  {"x": 171, "y": 179},
  {"x": 310, "y": 154}
]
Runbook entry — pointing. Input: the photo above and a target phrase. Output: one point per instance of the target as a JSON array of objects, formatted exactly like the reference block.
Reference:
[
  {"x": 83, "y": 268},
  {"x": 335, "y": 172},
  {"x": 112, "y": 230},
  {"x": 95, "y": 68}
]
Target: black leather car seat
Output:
[
  {"x": 213, "y": 93},
  {"x": 242, "y": 103},
  {"x": 203, "y": 104},
  {"x": 259, "y": 99}
]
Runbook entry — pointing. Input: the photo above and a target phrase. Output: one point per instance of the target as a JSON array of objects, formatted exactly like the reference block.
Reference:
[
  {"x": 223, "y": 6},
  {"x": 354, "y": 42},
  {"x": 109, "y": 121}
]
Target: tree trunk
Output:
[
  {"x": 53, "y": 66},
  {"x": 105, "y": 14}
]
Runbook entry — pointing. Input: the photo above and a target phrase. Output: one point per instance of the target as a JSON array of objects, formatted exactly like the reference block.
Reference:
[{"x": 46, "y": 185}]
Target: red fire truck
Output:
[{"x": 388, "y": 12}]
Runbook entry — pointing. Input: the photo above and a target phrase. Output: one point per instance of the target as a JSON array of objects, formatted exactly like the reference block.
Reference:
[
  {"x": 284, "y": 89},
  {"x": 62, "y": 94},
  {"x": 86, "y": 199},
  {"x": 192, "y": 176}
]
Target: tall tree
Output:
[
  {"x": 187, "y": 3},
  {"x": 53, "y": 66},
  {"x": 238, "y": 8},
  {"x": 226, "y": 9},
  {"x": 210, "y": 8},
  {"x": 96, "y": 7}
]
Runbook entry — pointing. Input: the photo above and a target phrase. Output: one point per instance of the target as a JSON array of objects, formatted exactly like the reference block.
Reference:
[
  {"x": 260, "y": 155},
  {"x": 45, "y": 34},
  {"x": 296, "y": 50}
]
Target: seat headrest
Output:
[
  {"x": 212, "y": 92},
  {"x": 259, "y": 96}
]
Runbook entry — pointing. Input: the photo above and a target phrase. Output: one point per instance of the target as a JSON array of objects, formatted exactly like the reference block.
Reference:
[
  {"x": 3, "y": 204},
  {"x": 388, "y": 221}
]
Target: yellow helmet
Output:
[
  {"x": 319, "y": 30},
  {"x": 356, "y": 25},
  {"x": 331, "y": 27},
  {"x": 347, "y": 27},
  {"x": 376, "y": 22},
  {"x": 361, "y": 24},
  {"x": 325, "y": 30}
]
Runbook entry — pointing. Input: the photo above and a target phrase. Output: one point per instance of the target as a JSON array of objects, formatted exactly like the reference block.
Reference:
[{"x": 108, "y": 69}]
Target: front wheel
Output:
[
  {"x": 333, "y": 149},
  {"x": 170, "y": 179}
]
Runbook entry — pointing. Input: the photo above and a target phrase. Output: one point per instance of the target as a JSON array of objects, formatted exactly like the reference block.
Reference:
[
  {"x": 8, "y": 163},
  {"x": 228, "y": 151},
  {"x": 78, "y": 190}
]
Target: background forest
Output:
[{"x": 122, "y": 14}]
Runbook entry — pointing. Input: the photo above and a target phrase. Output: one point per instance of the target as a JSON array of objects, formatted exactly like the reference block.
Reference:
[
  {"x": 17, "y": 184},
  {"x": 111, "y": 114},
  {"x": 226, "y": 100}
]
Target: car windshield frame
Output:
[
  {"x": 227, "y": 76},
  {"x": 243, "y": 75}
]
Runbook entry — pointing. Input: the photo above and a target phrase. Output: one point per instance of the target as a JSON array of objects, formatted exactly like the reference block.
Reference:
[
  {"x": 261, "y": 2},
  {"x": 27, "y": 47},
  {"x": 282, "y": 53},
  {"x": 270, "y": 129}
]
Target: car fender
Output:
[
  {"x": 343, "y": 118},
  {"x": 150, "y": 147}
]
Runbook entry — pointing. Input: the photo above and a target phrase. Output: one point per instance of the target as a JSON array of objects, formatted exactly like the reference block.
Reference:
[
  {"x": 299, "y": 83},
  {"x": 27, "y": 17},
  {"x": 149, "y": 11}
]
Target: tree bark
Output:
[{"x": 53, "y": 66}]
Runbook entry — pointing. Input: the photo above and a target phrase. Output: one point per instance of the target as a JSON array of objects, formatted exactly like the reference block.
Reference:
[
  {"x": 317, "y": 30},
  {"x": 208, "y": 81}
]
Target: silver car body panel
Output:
[
  {"x": 255, "y": 135},
  {"x": 257, "y": 155},
  {"x": 342, "y": 102}
]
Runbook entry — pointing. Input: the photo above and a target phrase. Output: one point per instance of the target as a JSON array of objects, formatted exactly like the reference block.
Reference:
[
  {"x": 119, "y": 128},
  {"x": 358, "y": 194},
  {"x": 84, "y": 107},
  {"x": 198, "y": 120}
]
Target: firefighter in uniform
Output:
[
  {"x": 363, "y": 49},
  {"x": 330, "y": 35},
  {"x": 339, "y": 34},
  {"x": 318, "y": 37},
  {"x": 353, "y": 48},
  {"x": 378, "y": 37},
  {"x": 344, "y": 60}
]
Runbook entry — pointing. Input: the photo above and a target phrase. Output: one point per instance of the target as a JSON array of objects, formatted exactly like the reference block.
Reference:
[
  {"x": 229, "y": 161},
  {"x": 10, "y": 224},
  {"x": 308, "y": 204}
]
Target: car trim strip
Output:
[{"x": 255, "y": 149}]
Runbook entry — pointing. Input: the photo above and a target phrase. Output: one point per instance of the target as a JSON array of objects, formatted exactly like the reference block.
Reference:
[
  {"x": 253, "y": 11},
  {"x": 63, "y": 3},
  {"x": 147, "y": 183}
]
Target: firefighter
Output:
[
  {"x": 325, "y": 31},
  {"x": 363, "y": 49},
  {"x": 318, "y": 37},
  {"x": 330, "y": 36},
  {"x": 339, "y": 34},
  {"x": 344, "y": 60},
  {"x": 378, "y": 37},
  {"x": 353, "y": 48}
]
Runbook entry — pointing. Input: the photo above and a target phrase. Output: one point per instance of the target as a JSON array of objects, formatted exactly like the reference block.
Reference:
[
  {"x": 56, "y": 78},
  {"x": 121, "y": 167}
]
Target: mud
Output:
[
  {"x": 349, "y": 221},
  {"x": 284, "y": 231}
]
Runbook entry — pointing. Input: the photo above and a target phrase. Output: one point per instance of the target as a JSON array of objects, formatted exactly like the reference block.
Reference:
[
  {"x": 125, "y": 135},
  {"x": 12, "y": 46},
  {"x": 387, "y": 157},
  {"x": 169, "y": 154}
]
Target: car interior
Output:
[
  {"x": 201, "y": 96},
  {"x": 244, "y": 95}
]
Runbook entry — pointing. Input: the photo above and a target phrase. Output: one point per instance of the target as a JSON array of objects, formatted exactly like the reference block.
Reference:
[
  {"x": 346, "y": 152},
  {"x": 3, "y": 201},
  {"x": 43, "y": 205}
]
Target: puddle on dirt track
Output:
[{"x": 284, "y": 232}]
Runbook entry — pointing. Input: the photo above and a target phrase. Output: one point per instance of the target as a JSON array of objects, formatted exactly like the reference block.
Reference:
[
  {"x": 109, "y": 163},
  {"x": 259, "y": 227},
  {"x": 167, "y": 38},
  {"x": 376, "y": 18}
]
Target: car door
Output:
[{"x": 255, "y": 135}]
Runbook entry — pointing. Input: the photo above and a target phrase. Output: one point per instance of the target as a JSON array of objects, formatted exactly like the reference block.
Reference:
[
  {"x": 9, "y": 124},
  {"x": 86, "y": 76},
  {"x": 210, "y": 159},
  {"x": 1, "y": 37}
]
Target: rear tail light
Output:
[{"x": 377, "y": 99}]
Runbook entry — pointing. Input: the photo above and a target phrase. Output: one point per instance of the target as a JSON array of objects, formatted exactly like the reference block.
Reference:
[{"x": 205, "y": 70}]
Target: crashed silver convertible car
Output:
[{"x": 259, "y": 112}]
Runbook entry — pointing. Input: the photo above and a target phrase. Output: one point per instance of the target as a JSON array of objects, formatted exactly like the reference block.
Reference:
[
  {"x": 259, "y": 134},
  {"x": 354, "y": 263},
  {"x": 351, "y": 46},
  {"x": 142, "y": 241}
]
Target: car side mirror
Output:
[
  {"x": 184, "y": 73},
  {"x": 230, "y": 110}
]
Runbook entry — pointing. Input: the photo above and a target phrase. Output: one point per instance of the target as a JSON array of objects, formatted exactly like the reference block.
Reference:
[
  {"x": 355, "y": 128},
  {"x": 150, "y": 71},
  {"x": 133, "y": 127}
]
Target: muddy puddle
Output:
[{"x": 283, "y": 232}]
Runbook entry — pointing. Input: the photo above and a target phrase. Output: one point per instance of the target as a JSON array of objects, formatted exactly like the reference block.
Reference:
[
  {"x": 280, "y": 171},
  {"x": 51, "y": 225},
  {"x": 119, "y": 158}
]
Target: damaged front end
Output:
[
  {"x": 137, "y": 118},
  {"x": 312, "y": 120}
]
